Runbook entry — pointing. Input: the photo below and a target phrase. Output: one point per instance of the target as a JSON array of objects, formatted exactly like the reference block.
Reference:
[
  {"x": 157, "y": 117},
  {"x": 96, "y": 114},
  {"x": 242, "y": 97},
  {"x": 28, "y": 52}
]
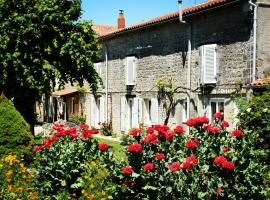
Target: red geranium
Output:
[
  {"x": 86, "y": 134},
  {"x": 136, "y": 132},
  {"x": 151, "y": 138},
  {"x": 127, "y": 170},
  {"x": 169, "y": 135},
  {"x": 47, "y": 143},
  {"x": 83, "y": 126},
  {"x": 103, "y": 147},
  {"x": 174, "y": 166},
  {"x": 37, "y": 148},
  {"x": 218, "y": 190},
  {"x": 160, "y": 156},
  {"x": 201, "y": 120},
  {"x": 227, "y": 165},
  {"x": 53, "y": 139},
  {"x": 225, "y": 124},
  {"x": 186, "y": 165},
  {"x": 179, "y": 129},
  {"x": 237, "y": 133},
  {"x": 218, "y": 115},
  {"x": 219, "y": 160},
  {"x": 191, "y": 122},
  {"x": 149, "y": 167},
  {"x": 191, "y": 144},
  {"x": 212, "y": 129},
  {"x": 189, "y": 162},
  {"x": 150, "y": 130},
  {"x": 135, "y": 148}
]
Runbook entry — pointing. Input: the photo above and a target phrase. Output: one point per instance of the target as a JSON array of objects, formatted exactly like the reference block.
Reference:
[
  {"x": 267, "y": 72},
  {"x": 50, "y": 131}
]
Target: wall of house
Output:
[
  {"x": 263, "y": 37},
  {"x": 161, "y": 52}
]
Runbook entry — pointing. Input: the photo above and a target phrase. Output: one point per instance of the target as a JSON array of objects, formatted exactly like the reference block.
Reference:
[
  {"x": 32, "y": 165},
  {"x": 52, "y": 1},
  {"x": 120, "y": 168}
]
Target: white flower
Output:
[
  {"x": 249, "y": 109},
  {"x": 265, "y": 110}
]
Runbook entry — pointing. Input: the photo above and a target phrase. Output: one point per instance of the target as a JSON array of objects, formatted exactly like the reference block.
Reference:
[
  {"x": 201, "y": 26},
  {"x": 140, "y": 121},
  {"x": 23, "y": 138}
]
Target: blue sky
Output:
[{"x": 106, "y": 11}]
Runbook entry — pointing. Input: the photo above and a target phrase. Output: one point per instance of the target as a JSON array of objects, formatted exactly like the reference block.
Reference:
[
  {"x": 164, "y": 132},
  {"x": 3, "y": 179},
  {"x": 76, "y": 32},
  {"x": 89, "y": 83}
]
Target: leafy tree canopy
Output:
[{"x": 42, "y": 41}]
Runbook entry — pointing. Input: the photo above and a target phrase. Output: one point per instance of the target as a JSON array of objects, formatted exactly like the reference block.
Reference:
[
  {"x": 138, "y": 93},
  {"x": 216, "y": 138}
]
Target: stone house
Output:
[{"x": 209, "y": 50}]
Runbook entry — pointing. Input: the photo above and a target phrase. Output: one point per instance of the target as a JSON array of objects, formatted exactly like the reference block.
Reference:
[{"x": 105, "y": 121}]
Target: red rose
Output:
[
  {"x": 201, "y": 121},
  {"x": 174, "y": 166},
  {"x": 218, "y": 115},
  {"x": 237, "y": 133},
  {"x": 151, "y": 138},
  {"x": 103, "y": 147},
  {"x": 179, "y": 129},
  {"x": 83, "y": 126},
  {"x": 227, "y": 165},
  {"x": 191, "y": 122},
  {"x": 135, "y": 148},
  {"x": 191, "y": 144},
  {"x": 225, "y": 124},
  {"x": 150, "y": 130},
  {"x": 160, "y": 156},
  {"x": 219, "y": 160},
  {"x": 225, "y": 149},
  {"x": 127, "y": 170},
  {"x": 37, "y": 148},
  {"x": 149, "y": 167},
  {"x": 136, "y": 132}
]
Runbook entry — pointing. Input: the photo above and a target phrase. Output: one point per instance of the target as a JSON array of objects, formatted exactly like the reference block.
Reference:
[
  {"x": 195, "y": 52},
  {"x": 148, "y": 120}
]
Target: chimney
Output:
[{"x": 121, "y": 20}]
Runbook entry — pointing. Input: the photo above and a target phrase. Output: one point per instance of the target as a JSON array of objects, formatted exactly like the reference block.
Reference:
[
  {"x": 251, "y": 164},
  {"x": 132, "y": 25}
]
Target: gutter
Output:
[
  {"x": 107, "y": 82},
  {"x": 255, "y": 8}
]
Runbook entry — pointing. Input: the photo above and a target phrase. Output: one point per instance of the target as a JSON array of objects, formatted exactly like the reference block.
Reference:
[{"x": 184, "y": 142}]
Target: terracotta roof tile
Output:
[
  {"x": 173, "y": 15},
  {"x": 261, "y": 82},
  {"x": 64, "y": 92},
  {"x": 103, "y": 29}
]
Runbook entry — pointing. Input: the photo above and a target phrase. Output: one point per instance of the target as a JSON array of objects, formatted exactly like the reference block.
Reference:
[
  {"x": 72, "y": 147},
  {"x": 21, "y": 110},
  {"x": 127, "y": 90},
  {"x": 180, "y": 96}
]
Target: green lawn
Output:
[{"x": 119, "y": 151}]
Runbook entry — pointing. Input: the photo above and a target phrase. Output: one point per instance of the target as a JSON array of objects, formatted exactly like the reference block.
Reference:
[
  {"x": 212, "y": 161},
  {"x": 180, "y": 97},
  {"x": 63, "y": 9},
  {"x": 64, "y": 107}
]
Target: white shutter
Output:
[
  {"x": 140, "y": 102},
  {"x": 97, "y": 67},
  {"x": 123, "y": 103},
  {"x": 154, "y": 111},
  {"x": 209, "y": 63},
  {"x": 102, "y": 109},
  {"x": 93, "y": 111},
  {"x": 130, "y": 70},
  {"x": 135, "y": 113}
]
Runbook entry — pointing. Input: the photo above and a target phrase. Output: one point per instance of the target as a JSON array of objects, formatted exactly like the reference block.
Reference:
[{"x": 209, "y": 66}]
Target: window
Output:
[
  {"x": 208, "y": 63},
  {"x": 216, "y": 105},
  {"x": 130, "y": 70},
  {"x": 147, "y": 112},
  {"x": 184, "y": 110},
  {"x": 97, "y": 110}
]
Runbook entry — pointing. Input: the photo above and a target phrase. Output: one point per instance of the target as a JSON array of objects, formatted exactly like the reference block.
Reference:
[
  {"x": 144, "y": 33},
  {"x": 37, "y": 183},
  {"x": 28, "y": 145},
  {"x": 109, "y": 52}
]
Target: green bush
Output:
[
  {"x": 76, "y": 119},
  {"x": 15, "y": 135}
]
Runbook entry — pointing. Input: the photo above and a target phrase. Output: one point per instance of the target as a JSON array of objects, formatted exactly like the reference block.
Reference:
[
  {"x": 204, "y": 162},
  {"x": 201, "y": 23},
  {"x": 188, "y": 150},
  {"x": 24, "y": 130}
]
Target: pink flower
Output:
[
  {"x": 191, "y": 144},
  {"x": 103, "y": 147},
  {"x": 179, "y": 129},
  {"x": 237, "y": 133},
  {"x": 227, "y": 165},
  {"x": 219, "y": 160},
  {"x": 160, "y": 156},
  {"x": 149, "y": 167}
]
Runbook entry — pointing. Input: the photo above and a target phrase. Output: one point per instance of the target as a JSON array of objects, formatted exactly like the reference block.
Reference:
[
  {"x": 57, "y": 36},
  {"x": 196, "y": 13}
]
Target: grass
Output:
[{"x": 119, "y": 152}]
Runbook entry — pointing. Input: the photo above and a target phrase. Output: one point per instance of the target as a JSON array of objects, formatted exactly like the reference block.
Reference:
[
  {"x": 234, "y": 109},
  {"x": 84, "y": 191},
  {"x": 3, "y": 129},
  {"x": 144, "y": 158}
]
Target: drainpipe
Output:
[
  {"x": 255, "y": 7},
  {"x": 189, "y": 59},
  {"x": 107, "y": 82}
]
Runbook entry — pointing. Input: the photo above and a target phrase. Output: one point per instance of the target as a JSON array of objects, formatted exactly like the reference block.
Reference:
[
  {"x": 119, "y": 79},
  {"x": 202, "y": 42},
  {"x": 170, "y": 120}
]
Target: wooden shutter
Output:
[
  {"x": 135, "y": 113},
  {"x": 130, "y": 70},
  {"x": 123, "y": 103},
  {"x": 93, "y": 111},
  {"x": 209, "y": 64},
  {"x": 154, "y": 111}
]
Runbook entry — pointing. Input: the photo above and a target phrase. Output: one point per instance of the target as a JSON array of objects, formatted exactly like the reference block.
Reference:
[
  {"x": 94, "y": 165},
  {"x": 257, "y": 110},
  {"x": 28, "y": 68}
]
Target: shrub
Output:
[
  {"x": 76, "y": 119},
  {"x": 209, "y": 163},
  {"x": 15, "y": 135},
  {"x": 61, "y": 160},
  {"x": 106, "y": 128}
]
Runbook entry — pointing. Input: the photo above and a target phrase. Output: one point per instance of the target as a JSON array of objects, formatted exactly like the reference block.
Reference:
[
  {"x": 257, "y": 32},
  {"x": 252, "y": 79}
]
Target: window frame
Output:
[
  {"x": 215, "y": 100},
  {"x": 133, "y": 59}
]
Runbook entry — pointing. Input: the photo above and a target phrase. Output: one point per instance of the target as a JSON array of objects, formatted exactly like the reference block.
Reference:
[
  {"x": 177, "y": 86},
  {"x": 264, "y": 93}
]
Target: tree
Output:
[{"x": 41, "y": 42}]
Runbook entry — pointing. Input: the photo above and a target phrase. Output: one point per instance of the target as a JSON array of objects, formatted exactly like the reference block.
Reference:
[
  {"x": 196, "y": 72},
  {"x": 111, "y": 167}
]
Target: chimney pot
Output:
[{"x": 121, "y": 19}]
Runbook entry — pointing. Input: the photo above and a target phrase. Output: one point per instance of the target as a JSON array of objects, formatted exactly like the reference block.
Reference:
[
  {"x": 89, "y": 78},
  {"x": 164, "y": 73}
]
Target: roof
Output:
[
  {"x": 261, "y": 82},
  {"x": 174, "y": 15},
  {"x": 103, "y": 29},
  {"x": 64, "y": 92}
]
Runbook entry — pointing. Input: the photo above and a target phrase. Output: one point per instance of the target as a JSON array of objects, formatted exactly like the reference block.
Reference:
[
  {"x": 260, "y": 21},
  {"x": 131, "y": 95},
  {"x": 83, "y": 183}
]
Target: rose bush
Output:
[{"x": 212, "y": 162}]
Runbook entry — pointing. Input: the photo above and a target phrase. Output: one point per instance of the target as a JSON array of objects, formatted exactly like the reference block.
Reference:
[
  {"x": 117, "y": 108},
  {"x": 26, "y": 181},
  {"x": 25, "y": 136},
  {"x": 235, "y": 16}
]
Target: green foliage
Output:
[
  {"x": 76, "y": 119},
  {"x": 106, "y": 128},
  {"x": 15, "y": 135}
]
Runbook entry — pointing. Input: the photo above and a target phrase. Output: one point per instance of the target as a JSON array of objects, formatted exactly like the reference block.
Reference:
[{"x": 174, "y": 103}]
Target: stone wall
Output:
[{"x": 161, "y": 52}]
